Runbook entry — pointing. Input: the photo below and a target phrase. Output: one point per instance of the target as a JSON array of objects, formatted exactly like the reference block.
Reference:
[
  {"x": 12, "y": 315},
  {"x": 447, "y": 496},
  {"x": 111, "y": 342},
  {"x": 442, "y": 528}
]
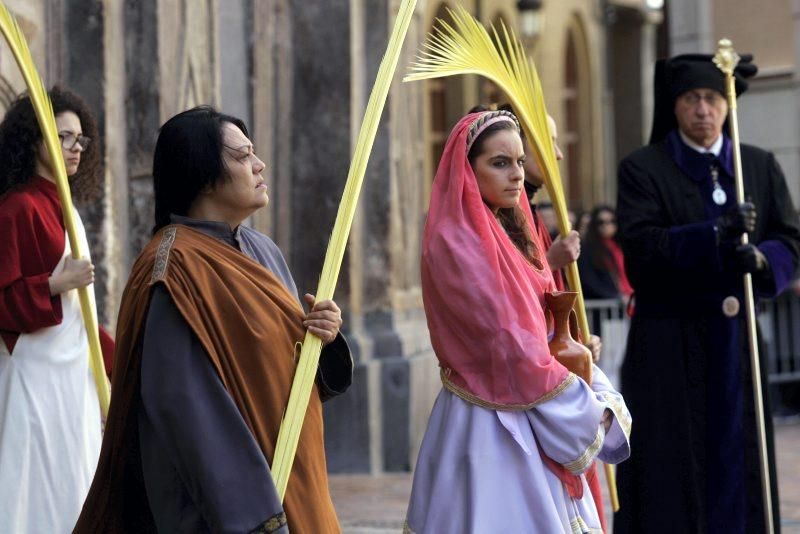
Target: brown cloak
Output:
[{"x": 248, "y": 324}]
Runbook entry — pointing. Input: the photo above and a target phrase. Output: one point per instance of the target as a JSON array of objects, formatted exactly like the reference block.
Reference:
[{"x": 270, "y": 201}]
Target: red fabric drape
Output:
[{"x": 484, "y": 301}]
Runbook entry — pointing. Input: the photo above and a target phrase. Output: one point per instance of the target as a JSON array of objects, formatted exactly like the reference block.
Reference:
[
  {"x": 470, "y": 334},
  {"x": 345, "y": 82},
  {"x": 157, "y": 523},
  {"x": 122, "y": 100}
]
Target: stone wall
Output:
[{"x": 300, "y": 74}]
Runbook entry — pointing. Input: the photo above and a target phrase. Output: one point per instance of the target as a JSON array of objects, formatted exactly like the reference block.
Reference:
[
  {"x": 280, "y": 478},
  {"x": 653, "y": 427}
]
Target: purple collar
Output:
[{"x": 696, "y": 165}]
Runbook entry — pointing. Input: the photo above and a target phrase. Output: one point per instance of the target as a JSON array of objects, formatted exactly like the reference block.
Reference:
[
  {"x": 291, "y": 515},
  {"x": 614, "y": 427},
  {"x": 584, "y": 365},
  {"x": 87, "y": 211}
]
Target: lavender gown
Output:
[{"x": 480, "y": 470}]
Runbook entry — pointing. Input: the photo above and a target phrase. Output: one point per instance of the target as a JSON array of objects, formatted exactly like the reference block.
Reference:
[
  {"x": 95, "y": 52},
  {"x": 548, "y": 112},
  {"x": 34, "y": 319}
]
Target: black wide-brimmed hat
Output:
[{"x": 679, "y": 74}]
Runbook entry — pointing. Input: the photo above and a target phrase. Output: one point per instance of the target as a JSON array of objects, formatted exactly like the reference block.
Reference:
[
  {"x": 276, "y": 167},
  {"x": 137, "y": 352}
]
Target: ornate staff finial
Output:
[
  {"x": 726, "y": 60},
  {"x": 726, "y": 57}
]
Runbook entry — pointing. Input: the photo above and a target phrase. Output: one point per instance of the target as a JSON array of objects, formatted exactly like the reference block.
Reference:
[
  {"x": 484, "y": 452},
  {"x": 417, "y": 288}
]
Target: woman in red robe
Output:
[{"x": 50, "y": 427}]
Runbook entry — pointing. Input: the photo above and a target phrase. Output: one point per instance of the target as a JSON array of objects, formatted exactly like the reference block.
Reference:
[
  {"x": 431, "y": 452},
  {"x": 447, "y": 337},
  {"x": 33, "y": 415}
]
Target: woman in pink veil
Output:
[{"x": 512, "y": 430}]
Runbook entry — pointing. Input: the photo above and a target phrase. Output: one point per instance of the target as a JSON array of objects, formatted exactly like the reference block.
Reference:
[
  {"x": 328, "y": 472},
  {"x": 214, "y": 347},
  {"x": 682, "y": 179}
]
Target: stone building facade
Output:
[{"x": 299, "y": 73}]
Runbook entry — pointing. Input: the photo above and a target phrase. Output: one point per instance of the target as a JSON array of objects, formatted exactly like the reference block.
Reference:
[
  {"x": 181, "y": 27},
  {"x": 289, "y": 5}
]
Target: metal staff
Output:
[
  {"x": 726, "y": 60},
  {"x": 47, "y": 124}
]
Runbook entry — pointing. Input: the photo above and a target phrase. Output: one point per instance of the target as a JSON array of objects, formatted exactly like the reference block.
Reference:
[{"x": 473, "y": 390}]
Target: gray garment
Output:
[
  {"x": 251, "y": 242},
  {"x": 202, "y": 468}
]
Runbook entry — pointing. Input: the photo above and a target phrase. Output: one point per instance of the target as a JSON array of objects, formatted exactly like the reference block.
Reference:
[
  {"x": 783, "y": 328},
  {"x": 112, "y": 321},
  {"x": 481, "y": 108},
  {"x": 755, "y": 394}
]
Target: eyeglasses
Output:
[
  {"x": 69, "y": 140},
  {"x": 606, "y": 222},
  {"x": 692, "y": 98}
]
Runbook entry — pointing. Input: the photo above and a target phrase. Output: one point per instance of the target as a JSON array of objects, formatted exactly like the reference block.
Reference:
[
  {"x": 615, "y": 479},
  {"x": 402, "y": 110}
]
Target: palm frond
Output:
[
  {"x": 289, "y": 433},
  {"x": 47, "y": 123},
  {"x": 36, "y": 89},
  {"x": 466, "y": 47}
]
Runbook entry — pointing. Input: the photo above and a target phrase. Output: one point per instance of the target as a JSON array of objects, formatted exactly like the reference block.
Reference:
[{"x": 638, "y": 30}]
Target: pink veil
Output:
[{"x": 483, "y": 299}]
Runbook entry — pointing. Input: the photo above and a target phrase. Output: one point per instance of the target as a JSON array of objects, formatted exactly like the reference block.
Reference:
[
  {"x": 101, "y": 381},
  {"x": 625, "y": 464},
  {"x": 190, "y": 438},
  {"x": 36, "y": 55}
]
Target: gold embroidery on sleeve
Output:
[
  {"x": 271, "y": 525},
  {"x": 580, "y": 464},
  {"x": 621, "y": 413}
]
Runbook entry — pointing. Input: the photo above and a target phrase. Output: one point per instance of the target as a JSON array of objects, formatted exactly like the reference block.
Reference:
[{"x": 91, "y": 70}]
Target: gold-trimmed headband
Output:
[{"x": 487, "y": 119}]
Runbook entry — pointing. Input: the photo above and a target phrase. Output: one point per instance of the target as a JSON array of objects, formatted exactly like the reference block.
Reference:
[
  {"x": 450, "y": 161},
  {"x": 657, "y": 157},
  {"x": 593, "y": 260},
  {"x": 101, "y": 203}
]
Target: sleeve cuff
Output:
[
  {"x": 781, "y": 268},
  {"x": 276, "y": 523},
  {"x": 616, "y": 446},
  {"x": 31, "y": 306},
  {"x": 335, "y": 368},
  {"x": 49, "y": 305},
  {"x": 584, "y": 461}
]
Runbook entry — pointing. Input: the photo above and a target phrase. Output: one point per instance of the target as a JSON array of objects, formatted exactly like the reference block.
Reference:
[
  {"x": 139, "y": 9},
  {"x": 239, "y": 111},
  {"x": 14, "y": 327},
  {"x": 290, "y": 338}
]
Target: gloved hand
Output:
[
  {"x": 740, "y": 218},
  {"x": 750, "y": 259}
]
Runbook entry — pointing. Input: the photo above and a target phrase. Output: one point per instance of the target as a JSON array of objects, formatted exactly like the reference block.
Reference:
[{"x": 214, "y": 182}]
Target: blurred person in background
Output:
[
  {"x": 601, "y": 265},
  {"x": 547, "y": 213},
  {"x": 583, "y": 223}
]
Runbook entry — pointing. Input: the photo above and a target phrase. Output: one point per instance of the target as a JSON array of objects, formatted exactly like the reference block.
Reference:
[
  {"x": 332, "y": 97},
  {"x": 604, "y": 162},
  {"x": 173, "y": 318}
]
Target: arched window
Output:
[
  {"x": 570, "y": 138},
  {"x": 576, "y": 126}
]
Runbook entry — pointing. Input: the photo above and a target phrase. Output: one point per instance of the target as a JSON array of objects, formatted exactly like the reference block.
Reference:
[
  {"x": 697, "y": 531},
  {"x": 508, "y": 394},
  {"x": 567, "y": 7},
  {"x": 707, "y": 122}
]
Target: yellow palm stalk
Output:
[
  {"x": 289, "y": 433},
  {"x": 47, "y": 124},
  {"x": 466, "y": 47}
]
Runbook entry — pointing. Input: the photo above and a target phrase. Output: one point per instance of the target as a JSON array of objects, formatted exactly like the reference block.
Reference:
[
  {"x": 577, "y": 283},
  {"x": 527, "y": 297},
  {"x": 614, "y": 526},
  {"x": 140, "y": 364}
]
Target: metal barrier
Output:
[
  {"x": 780, "y": 331},
  {"x": 608, "y": 319}
]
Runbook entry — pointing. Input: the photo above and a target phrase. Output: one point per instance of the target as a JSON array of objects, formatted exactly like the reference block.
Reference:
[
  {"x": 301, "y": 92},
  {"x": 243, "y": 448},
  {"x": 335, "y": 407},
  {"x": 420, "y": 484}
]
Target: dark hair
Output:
[
  {"x": 20, "y": 134},
  {"x": 579, "y": 225},
  {"x": 492, "y": 107},
  {"x": 599, "y": 254},
  {"x": 480, "y": 108},
  {"x": 501, "y": 107},
  {"x": 510, "y": 109},
  {"x": 517, "y": 229},
  {"x": 512, "y": 219},
  {"x": 188, "y": 159},
  {"x": 477, "y": 146}
]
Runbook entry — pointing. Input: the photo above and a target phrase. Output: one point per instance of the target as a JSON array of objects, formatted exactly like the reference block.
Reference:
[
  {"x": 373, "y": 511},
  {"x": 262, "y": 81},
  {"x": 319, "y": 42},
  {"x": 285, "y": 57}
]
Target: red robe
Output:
[{"x": 32, "y": 245}]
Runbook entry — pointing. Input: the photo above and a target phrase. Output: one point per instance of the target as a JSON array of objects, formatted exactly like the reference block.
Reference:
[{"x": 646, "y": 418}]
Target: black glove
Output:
[
  {"x": 740, "y": 218},
  {"x": 749, "y": 259}
]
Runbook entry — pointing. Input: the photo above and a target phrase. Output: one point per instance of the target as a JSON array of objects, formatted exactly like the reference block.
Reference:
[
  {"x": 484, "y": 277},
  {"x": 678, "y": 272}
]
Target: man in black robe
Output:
[{"x": 687, "y": 375}]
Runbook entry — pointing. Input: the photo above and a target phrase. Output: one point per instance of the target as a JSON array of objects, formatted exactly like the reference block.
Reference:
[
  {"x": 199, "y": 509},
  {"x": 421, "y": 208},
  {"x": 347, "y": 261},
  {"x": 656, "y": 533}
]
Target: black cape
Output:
[{"x": 679, "y": 338}]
